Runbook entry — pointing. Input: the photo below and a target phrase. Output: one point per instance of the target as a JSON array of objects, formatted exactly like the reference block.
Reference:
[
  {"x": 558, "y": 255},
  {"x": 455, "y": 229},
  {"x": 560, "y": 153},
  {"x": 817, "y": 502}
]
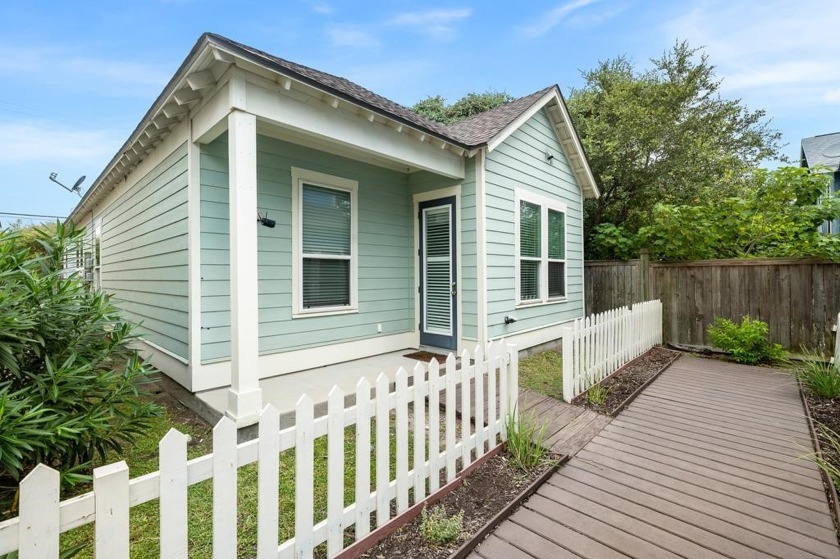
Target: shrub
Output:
[
  {"x": 525, "y": 442},
  {"x": 818, "y": 376},
  {"x": 747, "y": 342},
  {"x": 70, "y": 386},
  {"x": 831, "y": 447},
  {"x": 440, "y": 528}
]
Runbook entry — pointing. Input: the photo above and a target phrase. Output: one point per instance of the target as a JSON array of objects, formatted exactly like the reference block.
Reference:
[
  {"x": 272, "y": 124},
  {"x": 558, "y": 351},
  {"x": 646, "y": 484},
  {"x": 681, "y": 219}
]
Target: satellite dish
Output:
[{"x": 75, "y": 188}]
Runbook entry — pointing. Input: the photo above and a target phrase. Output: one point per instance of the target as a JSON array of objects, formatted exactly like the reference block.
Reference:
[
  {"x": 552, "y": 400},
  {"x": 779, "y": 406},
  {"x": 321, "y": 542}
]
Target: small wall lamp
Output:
[
  {"x": 264, "y": 221},
  {"x": 509, "y": 319},
  {"x": 549, "y": 157}
]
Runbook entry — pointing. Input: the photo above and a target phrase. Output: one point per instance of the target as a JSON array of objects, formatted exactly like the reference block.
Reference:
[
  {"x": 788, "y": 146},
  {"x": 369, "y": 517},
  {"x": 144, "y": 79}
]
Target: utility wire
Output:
[{"x": 32, "y": 215}]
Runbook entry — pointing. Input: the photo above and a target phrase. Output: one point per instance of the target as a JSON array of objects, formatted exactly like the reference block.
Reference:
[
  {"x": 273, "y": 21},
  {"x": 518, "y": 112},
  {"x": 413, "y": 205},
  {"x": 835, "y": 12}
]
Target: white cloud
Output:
[
  {"x": 43, "y": 141},
  {"x": 323, "y": 9},
  {"x": 55, "y": 65},
  {"x": 349, "y": 36},
  {"x": 554, "y": 17},
  {"x": 776, "y": 48},
  {"x": 437, "y": 24},
  {"x": 832, "y": 96}
]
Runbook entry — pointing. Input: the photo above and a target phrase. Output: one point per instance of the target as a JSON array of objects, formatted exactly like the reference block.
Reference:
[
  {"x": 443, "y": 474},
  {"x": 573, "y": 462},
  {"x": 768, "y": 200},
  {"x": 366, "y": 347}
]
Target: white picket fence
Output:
[
  {"x": 598, "y": 345},
  {"x": 35, "y": 533},
  {"x": 836, "y": 358}
]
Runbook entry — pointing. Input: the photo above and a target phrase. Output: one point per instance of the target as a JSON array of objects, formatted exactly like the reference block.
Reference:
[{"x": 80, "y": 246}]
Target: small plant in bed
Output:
[
  {"x": 818, "y": 376},
  {"x": 525, "y": 440},
  {"x": 440, "y": 528},
  {"x": 746, "y": 342},
  {"x": 597, "y": 395}
]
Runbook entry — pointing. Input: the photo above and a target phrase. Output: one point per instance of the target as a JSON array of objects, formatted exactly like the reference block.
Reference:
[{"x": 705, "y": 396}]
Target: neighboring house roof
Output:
[
  {"x": 487, "y": 129},
  {"x": 821, "y": 150}
]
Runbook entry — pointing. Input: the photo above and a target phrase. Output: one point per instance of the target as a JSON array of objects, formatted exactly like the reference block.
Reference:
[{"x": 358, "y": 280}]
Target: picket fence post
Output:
[
  {"x": 39, "y": 514},
  {"x": 268, "y": 483},
  {"x": 402, "y": 440},
  {"x": 224, "y": 488},
  {"x": 335, "y": 471},
  {"x": 466, "y": 419},
  {"x": 362, "y": 458},
  {"x": 110, "y": 491},
  {"x": 419, "y": 433},
  {"x": 173, "y": 494}
]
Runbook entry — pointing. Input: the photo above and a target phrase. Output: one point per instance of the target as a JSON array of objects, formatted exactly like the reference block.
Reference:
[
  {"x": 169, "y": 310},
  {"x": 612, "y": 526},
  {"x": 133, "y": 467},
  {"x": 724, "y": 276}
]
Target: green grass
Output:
[
  {"x": 818, "y": 376},
  {"x": 543, "y": 373},
  {"x": 145, "y": 519},
  {"x": 597, "y": 394}
]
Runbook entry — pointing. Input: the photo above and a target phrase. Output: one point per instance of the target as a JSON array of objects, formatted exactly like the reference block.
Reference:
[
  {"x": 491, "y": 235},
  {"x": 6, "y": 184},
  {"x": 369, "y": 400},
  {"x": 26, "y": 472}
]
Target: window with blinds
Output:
[
  {"x": 541, "y": 242},
  {"x": 324, "y": 223}
]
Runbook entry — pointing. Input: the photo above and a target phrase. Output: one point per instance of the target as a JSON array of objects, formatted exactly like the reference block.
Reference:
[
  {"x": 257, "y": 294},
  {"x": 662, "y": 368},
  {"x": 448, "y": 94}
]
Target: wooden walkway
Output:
[{"x": 705, "y": 463}]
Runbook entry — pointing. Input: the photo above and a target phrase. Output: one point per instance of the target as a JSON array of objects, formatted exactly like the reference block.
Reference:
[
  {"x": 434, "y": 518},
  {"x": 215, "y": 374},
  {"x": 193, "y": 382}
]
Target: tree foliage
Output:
[
  {"x": 777, "y": 213},
  {"x": 70, "y": 386},
  {"x": 663, "y": 135},
  {"x": 435, "y": 107}
]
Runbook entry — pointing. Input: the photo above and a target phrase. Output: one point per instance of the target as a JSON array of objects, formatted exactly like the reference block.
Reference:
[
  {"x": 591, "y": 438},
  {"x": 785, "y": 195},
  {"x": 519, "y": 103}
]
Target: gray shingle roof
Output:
[
  {"x": 822, "y": 150},
  {"x": 472, "y": 132},
  {"x": 481, "y": 128}
]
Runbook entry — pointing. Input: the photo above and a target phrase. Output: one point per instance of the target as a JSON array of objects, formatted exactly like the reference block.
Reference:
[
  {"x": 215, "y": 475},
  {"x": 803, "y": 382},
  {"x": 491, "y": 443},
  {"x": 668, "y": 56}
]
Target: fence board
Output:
[
  {"x": 451, "y": 383},
  {"x": 173, "y": 494},
  {"x": 304, "y": 480},
  {"x": 383, "y": 474},
  {"x": 268, "y": 483},
  {"x": 798, "y": 298},
  {"x": 362, "y": 458},
  {"x": 39, "y": 518},
  {"x": 110, "y": 489},
  {"x": 335, "y": 472},
  {"x": 402, "y": 439},
  {"x": 419, "y": 433},
  {"x": 224, "y": 488}
]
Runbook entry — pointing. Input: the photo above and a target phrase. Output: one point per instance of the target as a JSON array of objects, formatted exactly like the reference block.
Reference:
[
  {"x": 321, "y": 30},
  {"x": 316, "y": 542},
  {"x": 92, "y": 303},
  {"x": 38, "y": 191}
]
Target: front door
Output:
[{"x": 438, "y": 267}]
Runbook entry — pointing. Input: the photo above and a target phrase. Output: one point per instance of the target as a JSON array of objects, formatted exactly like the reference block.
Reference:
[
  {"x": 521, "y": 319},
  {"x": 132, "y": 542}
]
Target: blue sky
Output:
[{"x": 77, "y": 76}]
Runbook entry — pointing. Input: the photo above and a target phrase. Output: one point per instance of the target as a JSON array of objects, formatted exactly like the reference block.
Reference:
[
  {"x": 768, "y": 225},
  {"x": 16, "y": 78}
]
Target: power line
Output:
[{"x": 32, "y": 215}]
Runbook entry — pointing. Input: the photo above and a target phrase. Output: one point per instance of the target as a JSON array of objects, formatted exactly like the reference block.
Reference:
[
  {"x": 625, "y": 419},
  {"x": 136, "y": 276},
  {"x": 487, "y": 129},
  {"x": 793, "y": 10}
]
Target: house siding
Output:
[
  {"x": 143, "y": 254},
  {"x": 424, "y": 182},
  {"x": 520, "y": 163},
  {"x": 385, "y": 262}
]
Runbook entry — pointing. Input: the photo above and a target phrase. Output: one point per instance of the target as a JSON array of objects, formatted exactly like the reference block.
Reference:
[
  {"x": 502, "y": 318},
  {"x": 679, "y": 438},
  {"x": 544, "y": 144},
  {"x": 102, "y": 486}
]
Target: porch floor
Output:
[
  {"x": 283, "y": 391},
  {"x": 705, "y": 463}
]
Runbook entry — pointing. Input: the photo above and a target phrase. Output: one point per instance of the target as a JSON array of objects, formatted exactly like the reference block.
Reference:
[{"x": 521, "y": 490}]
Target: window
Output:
[
  {"x": 541, "y": 249},
  {"x": 325, "y": 243}
]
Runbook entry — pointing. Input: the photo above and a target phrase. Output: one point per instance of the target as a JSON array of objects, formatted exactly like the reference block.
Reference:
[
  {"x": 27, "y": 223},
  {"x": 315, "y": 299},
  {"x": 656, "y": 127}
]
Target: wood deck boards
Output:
[{"x": 706, "y": 463}]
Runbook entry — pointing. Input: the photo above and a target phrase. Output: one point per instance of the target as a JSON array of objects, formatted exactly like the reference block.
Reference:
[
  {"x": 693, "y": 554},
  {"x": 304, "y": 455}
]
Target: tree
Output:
[
  {"x": 435, "y": 107},
  {"x": 664, "y": 135},
  {"x": 70, "y": 387},
  {"x": 778, "y": 213}
]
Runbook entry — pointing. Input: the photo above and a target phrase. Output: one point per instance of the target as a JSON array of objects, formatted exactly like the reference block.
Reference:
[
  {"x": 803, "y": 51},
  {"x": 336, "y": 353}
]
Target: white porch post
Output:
[{"x": 245, "y": 395}]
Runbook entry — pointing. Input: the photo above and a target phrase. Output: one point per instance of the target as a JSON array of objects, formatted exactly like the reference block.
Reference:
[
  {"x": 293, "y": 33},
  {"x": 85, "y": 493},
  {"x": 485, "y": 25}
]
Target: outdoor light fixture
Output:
[
  {"x": 263, "y": 220},
  {"x": 75, "y": 188},
  {"x": 549, "y": 157},
  {"x": 509, "y": 319}
]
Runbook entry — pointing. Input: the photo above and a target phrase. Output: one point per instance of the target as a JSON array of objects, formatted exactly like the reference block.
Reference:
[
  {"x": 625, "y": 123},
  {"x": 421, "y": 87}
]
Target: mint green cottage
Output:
[{"x": 266, "y": 218}]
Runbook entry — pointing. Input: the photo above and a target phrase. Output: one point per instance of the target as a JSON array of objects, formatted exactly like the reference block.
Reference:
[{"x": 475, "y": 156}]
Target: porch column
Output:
[{"x": 245, "y": 395}]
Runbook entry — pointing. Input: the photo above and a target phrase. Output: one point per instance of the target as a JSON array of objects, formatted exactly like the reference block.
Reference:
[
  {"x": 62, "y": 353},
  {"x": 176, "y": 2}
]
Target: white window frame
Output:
[
  {"x": 545, "y": 204},
  {"x": 314, "y": 178}
]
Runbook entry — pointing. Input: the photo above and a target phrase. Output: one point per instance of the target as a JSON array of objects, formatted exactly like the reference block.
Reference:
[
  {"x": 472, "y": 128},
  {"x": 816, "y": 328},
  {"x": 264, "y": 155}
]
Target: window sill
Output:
[
  {"x": 541, "y": 303},
  {"x": 325, "y": 312}
]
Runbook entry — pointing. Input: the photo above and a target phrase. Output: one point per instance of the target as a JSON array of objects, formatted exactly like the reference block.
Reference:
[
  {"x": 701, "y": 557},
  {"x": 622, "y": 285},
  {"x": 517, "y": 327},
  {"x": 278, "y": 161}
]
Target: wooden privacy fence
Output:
[
  {"x": 798, "y": 298},
  {"x": 596, "y": 346},
  {"x": 35, "y": 533}
]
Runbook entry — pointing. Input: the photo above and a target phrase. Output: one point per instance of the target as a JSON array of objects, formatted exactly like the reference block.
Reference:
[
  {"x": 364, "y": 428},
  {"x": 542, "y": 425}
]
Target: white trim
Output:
[
  {"x": 425, "y": 197},
  {"x": 173, "y": 366},
  {"x": 545, "y": 204},
  {"x": 194, "y": 250},
  {"x": 299, "y": 177},
  {"x": 216, "y": 375},
  {"x": 535, "y": 336},
  {"x": 481, "y": 246},
  {"x": 572, "y": 147}
]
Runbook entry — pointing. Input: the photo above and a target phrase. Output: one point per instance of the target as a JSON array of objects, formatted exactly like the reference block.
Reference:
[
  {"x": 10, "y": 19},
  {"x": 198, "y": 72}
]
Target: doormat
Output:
[{"x": 426, "y": 356}]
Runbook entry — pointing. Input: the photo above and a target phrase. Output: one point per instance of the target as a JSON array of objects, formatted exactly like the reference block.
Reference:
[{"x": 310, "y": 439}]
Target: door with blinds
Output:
[{"x": 438, "y": 287}]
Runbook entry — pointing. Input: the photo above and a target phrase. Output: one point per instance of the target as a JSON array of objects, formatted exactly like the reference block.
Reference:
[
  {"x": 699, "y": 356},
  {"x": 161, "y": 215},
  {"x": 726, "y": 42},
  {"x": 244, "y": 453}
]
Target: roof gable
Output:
[{"x": 821, "y": 150}]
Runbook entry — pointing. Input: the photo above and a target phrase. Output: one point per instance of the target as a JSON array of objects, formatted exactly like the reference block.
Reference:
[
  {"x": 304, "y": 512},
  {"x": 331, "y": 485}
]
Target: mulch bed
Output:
[
  {"x": 825, "y": 411},
  {"x": 626, "y": 381},
  {"x": 426, "y": 356},
  {"x": 485, "y": 492}
]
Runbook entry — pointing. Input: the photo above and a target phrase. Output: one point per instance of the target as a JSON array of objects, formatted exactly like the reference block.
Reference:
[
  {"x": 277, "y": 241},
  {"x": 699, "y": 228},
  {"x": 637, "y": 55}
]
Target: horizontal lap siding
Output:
[
  {"x": 386, "y": 266},
  {"x": 423, "y": 182},
  {"x": 144, "y": 254},
  {"x": 519, "y": 162}
]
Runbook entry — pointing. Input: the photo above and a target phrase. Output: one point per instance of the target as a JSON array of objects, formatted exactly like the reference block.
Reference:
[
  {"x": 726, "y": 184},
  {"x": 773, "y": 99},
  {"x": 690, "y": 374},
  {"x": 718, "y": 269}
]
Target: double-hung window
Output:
[
  {"x": 541, "y": 249},
  {"x": 325, "y": 259}
]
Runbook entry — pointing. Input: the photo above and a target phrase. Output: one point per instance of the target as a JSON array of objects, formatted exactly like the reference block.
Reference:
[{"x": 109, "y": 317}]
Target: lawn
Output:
[
  {"x": 543, "y": 373},
  {"x": 142, "y": 458}
]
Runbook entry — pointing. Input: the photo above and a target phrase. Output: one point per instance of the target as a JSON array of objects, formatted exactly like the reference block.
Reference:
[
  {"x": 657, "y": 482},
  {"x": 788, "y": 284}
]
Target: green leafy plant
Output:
[
  {"x": 597, "y": 395},
  {"x": 440, "y": 528},
  {"x": 525, "y": 440},
  {"x": 746, "y": 342},
  {"x": 70, "y": 386},
  {"x": 818, "y": 376}
]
